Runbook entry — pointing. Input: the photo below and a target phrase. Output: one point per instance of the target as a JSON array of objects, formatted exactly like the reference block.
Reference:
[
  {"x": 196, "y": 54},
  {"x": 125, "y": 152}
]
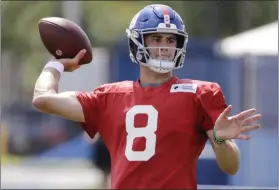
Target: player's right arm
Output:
[{"x": 47, "y": 99}]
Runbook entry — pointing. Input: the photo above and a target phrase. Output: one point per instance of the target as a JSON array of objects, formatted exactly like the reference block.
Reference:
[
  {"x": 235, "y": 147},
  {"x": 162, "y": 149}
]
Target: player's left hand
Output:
[{"x": 232, "y": 127}]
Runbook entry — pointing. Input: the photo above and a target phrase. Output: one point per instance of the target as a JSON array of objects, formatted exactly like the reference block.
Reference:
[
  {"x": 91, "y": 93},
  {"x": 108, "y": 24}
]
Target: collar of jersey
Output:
[{"x": 171, "y": 81}]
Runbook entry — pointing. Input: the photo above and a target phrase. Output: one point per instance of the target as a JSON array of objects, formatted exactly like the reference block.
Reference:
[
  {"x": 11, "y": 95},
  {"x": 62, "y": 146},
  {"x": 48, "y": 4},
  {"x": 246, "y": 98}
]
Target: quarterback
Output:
[{"x": 156, "y": 127}]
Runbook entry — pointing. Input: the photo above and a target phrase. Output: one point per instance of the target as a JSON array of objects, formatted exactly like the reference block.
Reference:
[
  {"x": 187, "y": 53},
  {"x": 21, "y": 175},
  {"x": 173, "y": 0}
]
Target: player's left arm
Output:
[
  {"x": 227, "y": 154},
  {"x": 225, "y": 128}
]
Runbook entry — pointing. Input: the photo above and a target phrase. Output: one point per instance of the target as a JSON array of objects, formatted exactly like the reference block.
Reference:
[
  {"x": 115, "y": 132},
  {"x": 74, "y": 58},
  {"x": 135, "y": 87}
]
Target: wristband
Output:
[
  {"x": 218, "y": 141},
  {"x": 56, "y": 65}
]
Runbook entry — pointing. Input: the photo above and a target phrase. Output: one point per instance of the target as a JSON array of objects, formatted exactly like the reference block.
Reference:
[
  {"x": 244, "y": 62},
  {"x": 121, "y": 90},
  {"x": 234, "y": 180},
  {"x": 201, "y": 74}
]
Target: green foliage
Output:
[
  {"x": 19, "y": 24},
  {"x": 106, "y": 22},
  {"x": 264, "y": 12}
]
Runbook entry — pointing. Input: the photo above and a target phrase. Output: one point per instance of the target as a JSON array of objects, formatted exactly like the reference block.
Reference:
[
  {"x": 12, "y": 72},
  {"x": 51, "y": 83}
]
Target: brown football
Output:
[{"x": 64, "y": 39}]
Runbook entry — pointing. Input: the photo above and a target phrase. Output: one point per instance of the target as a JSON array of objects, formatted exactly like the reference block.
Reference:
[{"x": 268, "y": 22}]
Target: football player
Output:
[{"x": 156, "y": 127}]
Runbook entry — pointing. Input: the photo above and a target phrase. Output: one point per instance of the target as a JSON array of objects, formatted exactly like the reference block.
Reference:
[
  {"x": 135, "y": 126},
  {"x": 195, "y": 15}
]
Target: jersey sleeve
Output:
[
  {"x": 90, "y": 105},
  {"x": 213, "y": 104}
]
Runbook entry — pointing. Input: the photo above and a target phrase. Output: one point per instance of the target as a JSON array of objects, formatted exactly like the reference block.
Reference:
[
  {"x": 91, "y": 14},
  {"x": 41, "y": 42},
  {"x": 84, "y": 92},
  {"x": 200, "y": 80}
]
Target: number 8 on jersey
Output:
[{"x": 148, "y": 132}]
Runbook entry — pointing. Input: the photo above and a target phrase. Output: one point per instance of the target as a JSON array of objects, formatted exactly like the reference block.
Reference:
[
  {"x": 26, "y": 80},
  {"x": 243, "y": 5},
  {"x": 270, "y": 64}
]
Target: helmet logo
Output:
[{"x": 167, "y": 19}]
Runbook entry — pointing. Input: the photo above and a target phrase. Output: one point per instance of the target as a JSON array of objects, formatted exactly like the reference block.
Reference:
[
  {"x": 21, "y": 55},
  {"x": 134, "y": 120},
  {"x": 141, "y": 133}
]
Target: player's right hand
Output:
[{"x": 72, "y": 64}]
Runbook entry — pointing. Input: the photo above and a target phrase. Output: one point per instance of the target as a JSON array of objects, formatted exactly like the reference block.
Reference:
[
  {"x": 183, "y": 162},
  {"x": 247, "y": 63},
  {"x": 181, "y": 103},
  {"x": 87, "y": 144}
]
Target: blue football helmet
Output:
[{"x": 157, "y": 18}]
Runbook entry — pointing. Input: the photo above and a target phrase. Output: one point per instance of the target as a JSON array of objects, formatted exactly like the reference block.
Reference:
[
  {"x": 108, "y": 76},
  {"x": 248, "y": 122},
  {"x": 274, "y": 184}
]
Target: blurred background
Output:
[{"x": 234, "y": 43}]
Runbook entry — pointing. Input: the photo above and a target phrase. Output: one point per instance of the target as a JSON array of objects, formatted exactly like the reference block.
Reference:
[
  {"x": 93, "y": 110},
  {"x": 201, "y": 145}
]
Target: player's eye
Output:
[
  {"x": 155, "y": 39},
  {"x": 171, "y": 41}
]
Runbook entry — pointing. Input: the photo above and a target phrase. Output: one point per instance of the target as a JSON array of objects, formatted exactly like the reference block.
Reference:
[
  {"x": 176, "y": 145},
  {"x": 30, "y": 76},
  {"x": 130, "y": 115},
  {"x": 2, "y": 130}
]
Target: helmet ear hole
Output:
[{"x": 180, "y": 41}]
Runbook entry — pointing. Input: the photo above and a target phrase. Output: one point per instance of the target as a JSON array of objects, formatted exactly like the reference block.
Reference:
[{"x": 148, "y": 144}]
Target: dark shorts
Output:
[{"x": 102, "y": 156}]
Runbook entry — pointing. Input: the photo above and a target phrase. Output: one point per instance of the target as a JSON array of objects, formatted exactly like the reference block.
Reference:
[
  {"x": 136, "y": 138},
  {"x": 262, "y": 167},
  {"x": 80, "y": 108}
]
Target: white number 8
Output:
[{"x": 148, "y": 132}]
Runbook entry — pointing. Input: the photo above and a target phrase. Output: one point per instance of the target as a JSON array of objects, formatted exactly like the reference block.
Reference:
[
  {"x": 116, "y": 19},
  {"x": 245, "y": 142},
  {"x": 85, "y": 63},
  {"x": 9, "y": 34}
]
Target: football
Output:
[{"x": 64, "y": 39}]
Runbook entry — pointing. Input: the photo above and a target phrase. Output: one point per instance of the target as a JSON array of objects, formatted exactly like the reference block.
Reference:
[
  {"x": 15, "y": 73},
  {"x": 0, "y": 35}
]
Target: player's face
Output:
[{"x": 161, "y": 46}]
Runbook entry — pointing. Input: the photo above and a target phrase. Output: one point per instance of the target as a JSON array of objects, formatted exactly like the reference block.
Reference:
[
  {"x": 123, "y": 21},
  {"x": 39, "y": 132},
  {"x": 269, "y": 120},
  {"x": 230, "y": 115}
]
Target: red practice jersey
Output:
[{"x": 154, "y": 134}]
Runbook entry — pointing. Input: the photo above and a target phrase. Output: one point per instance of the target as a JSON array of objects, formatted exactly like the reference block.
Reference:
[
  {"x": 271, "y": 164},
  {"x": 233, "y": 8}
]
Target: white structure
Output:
[
  {"x": 258, "y": 41},
  {"x": 88, "y": 76}
]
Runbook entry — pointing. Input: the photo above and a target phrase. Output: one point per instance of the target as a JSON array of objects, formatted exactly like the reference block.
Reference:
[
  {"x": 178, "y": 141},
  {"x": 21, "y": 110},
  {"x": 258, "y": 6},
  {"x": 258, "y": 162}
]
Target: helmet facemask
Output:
[{"x": 161, "y": 64}]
